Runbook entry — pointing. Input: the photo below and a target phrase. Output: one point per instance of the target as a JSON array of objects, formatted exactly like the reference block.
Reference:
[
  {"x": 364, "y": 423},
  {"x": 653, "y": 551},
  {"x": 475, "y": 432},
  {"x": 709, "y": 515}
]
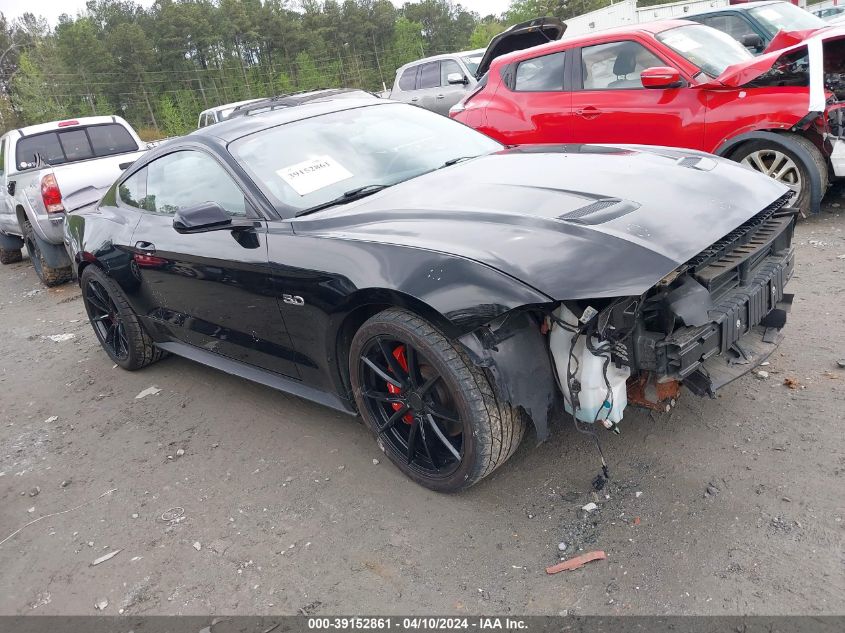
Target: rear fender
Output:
[
  {"x": 55, "y": 256},
  {"x": 10, "y": 242}
]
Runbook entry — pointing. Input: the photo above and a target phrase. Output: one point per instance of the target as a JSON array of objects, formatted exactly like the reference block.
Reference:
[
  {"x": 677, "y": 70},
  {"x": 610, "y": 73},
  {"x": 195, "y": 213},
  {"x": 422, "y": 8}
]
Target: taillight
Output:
[
  {"x": 51, "y": 195},
  {"x": 68, "y": 123}
]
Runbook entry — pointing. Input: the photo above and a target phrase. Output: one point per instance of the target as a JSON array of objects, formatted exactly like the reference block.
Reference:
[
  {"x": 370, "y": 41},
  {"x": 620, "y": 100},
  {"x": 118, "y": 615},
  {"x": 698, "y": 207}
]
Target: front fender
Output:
[{"x": 816, "y": 193}]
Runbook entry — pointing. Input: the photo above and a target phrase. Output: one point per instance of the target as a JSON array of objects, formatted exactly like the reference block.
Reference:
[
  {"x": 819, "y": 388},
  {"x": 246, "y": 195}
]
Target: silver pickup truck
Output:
[{"x": 40, "y": 167}]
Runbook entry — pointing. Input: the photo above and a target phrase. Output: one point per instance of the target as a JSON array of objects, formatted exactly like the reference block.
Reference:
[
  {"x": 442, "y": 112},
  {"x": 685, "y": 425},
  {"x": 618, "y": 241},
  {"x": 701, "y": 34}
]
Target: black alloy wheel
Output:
[
  {"x": 434, "y": 413},
  {"x": 106, "y": 321},
  {"x": 115, "y": 324},
  {"x": 415, "y": 414}
]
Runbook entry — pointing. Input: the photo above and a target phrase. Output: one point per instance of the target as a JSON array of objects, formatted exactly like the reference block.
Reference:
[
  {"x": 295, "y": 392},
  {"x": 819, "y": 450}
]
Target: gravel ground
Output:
[{"x": 287, "y": 510}]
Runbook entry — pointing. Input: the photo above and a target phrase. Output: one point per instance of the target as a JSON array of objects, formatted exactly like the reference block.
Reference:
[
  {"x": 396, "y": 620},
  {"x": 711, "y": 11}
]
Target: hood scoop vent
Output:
[
  {"x": 696, "y": 162},
  {"x": 600, "y": 211}
]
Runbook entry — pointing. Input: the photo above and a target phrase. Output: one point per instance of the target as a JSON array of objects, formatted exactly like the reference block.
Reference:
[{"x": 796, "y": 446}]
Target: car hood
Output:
[{"x": 572, "y": 222}]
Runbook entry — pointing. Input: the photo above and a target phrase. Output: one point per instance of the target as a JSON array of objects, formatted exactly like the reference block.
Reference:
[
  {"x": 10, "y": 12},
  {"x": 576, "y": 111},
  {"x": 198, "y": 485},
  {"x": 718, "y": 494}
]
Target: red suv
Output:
[{"x": 680, "y": 84}]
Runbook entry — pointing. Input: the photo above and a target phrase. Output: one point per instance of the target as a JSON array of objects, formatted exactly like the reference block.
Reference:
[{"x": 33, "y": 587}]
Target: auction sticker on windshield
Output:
[{"x": 314, "y": 174}]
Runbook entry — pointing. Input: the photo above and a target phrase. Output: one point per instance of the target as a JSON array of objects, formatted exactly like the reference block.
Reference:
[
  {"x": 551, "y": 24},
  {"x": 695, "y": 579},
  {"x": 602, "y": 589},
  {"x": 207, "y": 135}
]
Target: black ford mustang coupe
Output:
[{"x": 377, "y": 258}]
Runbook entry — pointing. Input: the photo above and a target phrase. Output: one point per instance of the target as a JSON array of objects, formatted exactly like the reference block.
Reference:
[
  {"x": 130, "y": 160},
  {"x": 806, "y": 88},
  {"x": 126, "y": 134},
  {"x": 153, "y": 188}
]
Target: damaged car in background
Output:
[
  {"x": 680, "y": 84},
  {"x": 383, "y": 260}
]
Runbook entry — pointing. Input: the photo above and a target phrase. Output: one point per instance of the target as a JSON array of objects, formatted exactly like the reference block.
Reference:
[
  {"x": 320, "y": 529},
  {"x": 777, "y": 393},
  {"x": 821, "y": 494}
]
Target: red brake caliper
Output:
[{"x": 399, "y": 355}]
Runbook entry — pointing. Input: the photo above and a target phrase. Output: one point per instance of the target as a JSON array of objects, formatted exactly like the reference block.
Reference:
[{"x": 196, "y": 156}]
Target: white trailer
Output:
[{"x": 627, "y": 12}]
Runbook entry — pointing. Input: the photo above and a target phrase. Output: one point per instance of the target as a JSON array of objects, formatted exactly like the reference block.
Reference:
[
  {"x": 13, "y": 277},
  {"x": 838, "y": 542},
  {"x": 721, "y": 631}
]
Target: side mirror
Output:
[
  {"x": 752, "y": 40},
  {"x": 456, "y": 78},
  {"x": 208, "y": 216},
  {"x": 125, "y": 166},
  {"x": 661, "y": 77}
]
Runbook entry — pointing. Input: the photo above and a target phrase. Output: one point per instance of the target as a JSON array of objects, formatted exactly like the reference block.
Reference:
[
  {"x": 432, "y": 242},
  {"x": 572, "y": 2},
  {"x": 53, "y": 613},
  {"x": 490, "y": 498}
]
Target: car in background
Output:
[
  {"x": 41, "y": 168},
  {"x": 381, "y": 259},
  {"x": 829, "y": 13},
  {"x": 219, "y": 113},
  {"x": 755, "y": 24},
  {"x": 675, "y": 83},
  {"x": 298, "y": 98},
  {"x": 439, "y": 82}
]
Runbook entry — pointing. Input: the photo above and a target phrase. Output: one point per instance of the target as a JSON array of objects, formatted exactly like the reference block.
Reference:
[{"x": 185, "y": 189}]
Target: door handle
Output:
[
  {"x": 588, "y": 113},
  {"x": 145, "y": 247},
  {"x": 415, "y": 99},
  {"x": 441, "y": 96}
]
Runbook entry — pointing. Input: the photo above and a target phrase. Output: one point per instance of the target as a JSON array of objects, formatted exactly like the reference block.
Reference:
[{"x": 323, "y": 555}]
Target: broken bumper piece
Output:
[{"x": 746, "y": 354}]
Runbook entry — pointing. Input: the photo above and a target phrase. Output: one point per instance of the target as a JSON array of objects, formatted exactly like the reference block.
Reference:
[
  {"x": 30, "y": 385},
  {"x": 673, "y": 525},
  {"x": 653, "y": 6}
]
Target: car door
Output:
[
  {"x": 531, "y": 105},
  {"x": 610, "y": 105},
  {"x": 406, "y": 85},
  {"x": 210, "y": 290},
  {"x": 449, "y": 94},
  {"x": 428, "y": 86}
]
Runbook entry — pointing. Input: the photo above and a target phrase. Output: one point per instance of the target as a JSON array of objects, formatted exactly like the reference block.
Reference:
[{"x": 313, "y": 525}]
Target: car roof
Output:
[
  {"x": 232, "y": 129},
  {"x": 745, "y": 6},
  {"x": 234, "y": 104},
  {"x": 296, "y": 99},
  {"x": 434, "y": 58},
  {"x": 648, "y": 28}
]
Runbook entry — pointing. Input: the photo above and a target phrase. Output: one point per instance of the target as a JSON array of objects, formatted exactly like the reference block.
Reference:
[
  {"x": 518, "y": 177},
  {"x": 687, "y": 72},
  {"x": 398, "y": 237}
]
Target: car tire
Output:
[
  {"x": 10, "y": 256},
  {"x": 444, "y": 399},
  {"x": 768, "y": 156},
  {"x": 115, "y": 324},
  {"x": 48, "y": 275}
]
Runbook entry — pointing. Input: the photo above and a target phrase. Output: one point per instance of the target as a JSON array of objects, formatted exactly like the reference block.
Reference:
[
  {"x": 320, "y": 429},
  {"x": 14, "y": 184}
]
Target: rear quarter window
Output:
[{"x": 408, "y": 80}]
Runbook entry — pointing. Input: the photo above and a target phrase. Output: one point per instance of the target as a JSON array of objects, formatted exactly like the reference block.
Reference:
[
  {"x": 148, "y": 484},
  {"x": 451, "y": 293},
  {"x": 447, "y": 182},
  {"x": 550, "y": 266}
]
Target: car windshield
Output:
[
  {"x": 711, "y": 50},
  {"x": 782, "y": 16},
  {"x": 472, "y": 63},
  {"x": 310, "y": 162}
]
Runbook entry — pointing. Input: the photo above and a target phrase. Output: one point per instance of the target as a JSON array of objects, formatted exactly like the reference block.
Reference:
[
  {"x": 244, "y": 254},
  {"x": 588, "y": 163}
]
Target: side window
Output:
[
  {"x": 2, "y": 156},
  {"x": 188, "y": 178},
  {"x": 447, "y": 67},
  {"x": 734, "y": 25},
  {"x": 408, "y": 80},
  {"x": 541, "y": 74},
  {"x": 616, "y": 66},
  {"x": 430, "y": 75},
  {"x": 133, "y": 190}
]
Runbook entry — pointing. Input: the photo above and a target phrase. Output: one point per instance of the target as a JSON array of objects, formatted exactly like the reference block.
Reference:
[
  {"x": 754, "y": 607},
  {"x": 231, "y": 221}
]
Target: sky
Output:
[{"x": 51, "y": 9}]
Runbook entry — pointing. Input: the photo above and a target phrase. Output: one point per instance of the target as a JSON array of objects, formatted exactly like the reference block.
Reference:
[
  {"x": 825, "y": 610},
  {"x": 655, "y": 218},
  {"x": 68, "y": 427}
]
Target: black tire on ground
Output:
[
  {"x": 765, "y": 150},
  {"x": 48, "y": 275},
  {"x": 489, "y": 430},
  {"x": 8, "y": 256},
  {"x": 140, "y": 350}
]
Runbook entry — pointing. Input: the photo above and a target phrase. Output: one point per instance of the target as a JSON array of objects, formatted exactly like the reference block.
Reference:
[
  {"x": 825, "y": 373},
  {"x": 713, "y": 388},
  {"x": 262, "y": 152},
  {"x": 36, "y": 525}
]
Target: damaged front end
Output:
[{"x": 711, "y": 320}]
